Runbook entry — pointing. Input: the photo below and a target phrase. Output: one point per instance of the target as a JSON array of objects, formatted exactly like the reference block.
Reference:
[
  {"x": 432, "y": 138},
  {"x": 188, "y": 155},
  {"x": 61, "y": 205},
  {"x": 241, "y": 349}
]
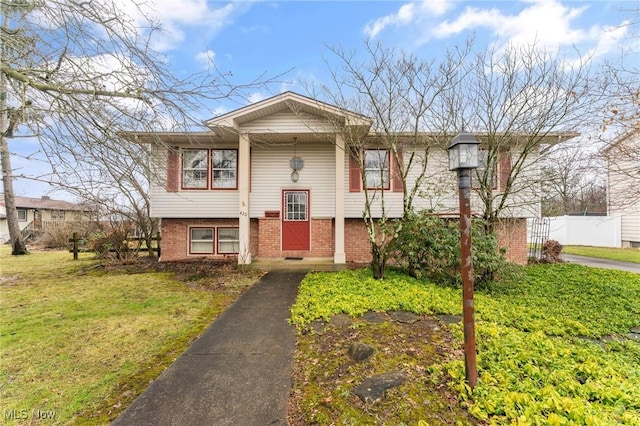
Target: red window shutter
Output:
[
  {"x": 397, "y": 174},
  {"x": 173, "y": 169},
  {"x": 355, "y": 180},
  {"x": 504, "y": 168}
]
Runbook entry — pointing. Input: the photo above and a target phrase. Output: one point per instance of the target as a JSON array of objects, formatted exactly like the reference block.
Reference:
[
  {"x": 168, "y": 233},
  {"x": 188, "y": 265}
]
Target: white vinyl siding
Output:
[
  {"x": 440, "y": 191},
  {"x": 288, "y": 122},
  {"x": 270, "y": 174},
  {"x": 194, "y": 204},
  {"x": 621, "y": 190},
  {"x": 631, "y": 227},
  {"x": 188, "y": 203}
]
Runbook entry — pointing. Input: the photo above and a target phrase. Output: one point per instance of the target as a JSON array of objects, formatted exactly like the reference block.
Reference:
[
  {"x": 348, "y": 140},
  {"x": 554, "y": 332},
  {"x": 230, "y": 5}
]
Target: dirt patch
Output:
[
  {"x": 210, "y": 274},
  {"x": 325, "y": 377},
  {"x": 12, "y": 280}
]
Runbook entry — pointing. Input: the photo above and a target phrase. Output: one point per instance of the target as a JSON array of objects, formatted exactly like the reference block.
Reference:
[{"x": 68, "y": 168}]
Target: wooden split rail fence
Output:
[{"x": 75, "y": 240}]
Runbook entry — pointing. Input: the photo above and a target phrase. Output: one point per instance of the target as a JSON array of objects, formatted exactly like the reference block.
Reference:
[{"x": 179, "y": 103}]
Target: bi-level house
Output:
[
  {"x": 36, "y": 215},
  {"x": 274, "y": 180},
  {"x": 623, "y": 184}
]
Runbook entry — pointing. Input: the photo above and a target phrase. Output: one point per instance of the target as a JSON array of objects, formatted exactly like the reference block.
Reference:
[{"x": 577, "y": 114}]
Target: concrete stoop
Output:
[{"x": 324, "y": 264}]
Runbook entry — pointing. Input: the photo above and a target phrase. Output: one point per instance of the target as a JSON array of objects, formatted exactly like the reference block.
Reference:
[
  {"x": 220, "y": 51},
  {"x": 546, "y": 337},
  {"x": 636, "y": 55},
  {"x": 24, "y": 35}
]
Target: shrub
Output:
[
  {"x": 429, "y": 246},
  {"x": 112, "y": 244},
  {"x": 57, "y": 237}
]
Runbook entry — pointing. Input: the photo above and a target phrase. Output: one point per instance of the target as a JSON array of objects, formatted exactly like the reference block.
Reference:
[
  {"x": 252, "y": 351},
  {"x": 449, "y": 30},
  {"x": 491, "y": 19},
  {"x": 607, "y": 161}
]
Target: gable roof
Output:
[
  {"x": 622, "y": 138},
  {"x": 282, "y": 102},
  {"x": 45, "y": 203}
]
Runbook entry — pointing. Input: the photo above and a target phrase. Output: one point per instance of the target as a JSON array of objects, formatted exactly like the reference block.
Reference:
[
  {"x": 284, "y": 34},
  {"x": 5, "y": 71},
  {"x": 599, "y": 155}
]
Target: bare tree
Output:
[
  {"x": 572, "y": 182},
  {"x": 75, "y": 74},
  {"x": 620, "y": 131},
  {"x": 401, "y": 94},
  {"x": 516, "y": 100},
  {"x": 519, "y": 101},
  {"x": 618, "y": 82},
  {"x": 112, "y": 175}
]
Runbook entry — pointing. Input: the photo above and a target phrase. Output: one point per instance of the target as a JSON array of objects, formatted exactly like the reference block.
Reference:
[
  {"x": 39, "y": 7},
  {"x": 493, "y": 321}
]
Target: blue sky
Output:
[{"x": 249, "y": 38}]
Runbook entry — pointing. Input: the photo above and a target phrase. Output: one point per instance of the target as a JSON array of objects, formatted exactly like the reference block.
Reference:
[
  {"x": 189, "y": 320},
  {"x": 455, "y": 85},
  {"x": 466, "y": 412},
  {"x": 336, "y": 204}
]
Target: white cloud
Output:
[
  {"x": 175, "y": 15},
  {"x": 611, "y": 38},
  {"x": 206, "y": 58},
  {"x": 407, "y": 14},
  {"x": 546, "y": 23},
  {"x": 219, "y": 110},
  {"x": 256, "y": 97}
]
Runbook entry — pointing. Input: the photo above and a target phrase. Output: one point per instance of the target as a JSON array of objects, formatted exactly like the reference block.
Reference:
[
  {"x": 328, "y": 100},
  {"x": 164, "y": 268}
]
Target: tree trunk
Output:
[
  {"x": 17, "y": 243},
  {"x": 6, "y": 128},
  {"x": 378, "y": 262}
]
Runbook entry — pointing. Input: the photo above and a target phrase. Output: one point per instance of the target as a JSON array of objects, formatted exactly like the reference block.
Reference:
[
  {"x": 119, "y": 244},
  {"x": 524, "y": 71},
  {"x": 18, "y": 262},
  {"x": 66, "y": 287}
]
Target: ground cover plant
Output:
[
  {"x": 552, "y": 345},
  {"x": 621, "y": 254},
  {"x": 79, "y": 340}
]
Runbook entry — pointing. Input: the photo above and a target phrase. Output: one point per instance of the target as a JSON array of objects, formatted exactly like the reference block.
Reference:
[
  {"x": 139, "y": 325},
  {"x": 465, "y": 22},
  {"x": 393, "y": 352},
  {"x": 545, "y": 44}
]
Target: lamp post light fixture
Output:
[{"x": 463, "y": 157}]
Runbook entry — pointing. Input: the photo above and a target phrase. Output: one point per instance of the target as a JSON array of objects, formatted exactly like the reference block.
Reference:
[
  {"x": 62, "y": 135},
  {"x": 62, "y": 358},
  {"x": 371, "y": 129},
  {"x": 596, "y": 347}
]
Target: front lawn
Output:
[
  {"x": 79, "y": 340},
  {"x": 621, "y": 254},
  {"x": 552, "y": 349}
]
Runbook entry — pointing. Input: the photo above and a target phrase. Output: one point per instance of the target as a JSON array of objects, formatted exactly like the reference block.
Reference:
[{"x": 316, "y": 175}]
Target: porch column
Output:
[
  {"x": 244, "y": 255},
  {"x": 339, "y": 255}
]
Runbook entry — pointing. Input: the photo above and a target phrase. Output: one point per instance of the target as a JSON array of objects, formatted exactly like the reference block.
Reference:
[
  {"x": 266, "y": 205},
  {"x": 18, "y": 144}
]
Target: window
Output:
[
  {"x": 57, "y": 214},
  {"x": 376, "y": 168},
  {"x": 228, "y": 240},
  {"x": 199, "y": 164},
  {"x": 296, "y": 205},
  {"x": 480, "y": 173},
  {"x": 22, "y": 215},
  {"x": 225, "y": 165},
  {"x": 194, "y": 168},
  {"x": 201, "y": 240}
]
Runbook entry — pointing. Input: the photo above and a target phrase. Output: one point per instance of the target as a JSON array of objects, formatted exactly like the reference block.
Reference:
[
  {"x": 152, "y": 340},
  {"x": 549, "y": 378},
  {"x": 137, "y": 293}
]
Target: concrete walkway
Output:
[
  {"x": 237, "y": 373},
  {"x": 602, "y": 263}
]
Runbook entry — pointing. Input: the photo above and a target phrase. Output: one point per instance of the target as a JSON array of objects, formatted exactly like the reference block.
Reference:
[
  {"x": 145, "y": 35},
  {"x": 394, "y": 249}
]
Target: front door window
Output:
[{"x": 296, "y": 205}]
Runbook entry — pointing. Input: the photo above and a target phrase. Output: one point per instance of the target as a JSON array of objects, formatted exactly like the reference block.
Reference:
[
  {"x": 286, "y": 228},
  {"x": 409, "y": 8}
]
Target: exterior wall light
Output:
[{"x": 296, "y": 163}]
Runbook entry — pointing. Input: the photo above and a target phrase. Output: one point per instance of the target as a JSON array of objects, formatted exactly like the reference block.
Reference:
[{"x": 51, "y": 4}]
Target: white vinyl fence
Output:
[{"x": 602, "y": 231}]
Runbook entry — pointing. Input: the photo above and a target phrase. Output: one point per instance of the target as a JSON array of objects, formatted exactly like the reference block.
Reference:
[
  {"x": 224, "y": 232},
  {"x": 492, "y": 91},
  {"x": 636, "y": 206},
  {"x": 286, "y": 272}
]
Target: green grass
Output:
[
  {"x": 621, "y": 254},
  {"x": 82, "y": 341},
  {"x": 538, "y": 359}
]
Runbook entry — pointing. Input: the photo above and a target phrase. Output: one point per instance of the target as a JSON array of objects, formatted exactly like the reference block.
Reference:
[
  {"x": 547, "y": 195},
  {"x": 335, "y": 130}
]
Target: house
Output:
[
  {"x": 274, "y": 180},
  {"x": 623, "y": 184},
  {"x": 39, "y": 214}
]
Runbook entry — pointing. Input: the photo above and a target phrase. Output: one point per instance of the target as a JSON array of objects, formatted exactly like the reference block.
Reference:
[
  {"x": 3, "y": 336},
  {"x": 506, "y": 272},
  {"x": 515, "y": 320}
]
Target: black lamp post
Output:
[{"x": 463, "y": 157}]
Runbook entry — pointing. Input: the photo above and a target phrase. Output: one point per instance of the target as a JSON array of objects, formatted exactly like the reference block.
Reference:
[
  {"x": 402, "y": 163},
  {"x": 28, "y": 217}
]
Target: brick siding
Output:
[
  {"x": 264, "y": 234},
  {"x": 265, "y": 239},
  {"x": 512, "y": 234},
  {"x": 356, "y": 241},
  {"x": 175, "y": 237}
]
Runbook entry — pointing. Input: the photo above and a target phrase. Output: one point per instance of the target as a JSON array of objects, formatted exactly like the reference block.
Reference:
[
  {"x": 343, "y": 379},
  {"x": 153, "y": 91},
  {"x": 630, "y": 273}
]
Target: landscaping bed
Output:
[{"x": 558, "y": 345}]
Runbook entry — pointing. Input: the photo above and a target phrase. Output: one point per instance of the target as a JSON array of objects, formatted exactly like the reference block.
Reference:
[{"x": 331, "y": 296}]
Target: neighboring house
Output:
[
  {"x": 623, "y": 184},
  {"x": 233, "y": 190},
  {"x": 38, "y": 214}
]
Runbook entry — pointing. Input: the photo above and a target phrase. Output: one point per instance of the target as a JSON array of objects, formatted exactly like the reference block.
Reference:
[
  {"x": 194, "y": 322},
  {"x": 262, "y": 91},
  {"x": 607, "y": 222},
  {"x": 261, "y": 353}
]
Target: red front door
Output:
[{"x": 295, "y": 220}]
